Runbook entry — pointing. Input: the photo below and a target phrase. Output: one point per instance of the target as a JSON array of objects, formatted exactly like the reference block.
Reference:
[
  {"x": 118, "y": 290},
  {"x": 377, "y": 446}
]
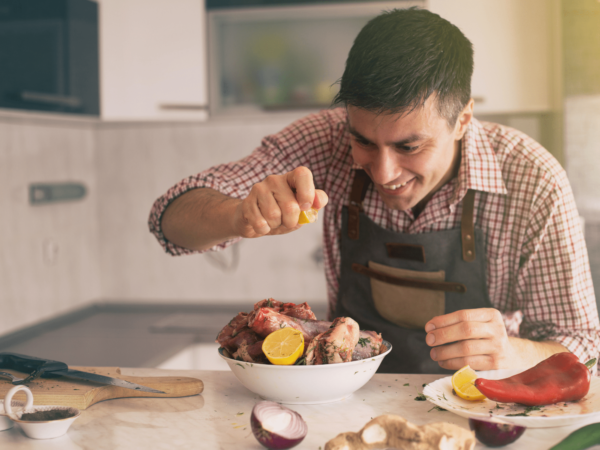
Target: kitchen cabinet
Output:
[
  {"x": 153, "y": 60},
  {"x": 49, "y": 56},
  {"x": 517, "y": 51},
  {"x": 283, "y": 57},
  {"x": 154, "y": 56}
]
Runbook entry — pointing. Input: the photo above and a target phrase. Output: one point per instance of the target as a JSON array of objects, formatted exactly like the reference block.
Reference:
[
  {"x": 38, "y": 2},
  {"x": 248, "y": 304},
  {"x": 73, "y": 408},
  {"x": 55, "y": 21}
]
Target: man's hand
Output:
[
  {"x": 477, "y": 337},
  {"x": 273, "y": 205}
]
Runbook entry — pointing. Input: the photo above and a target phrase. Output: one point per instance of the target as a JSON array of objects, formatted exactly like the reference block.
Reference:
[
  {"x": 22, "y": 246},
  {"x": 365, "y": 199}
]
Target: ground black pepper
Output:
[{"x": 54, "y": 414}]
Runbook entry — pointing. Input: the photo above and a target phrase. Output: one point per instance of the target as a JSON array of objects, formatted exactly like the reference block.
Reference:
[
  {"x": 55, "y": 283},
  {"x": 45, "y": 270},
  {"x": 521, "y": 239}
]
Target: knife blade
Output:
[
  {"x": 103, "y": 379},
  {"x": 47, "y": 368}
]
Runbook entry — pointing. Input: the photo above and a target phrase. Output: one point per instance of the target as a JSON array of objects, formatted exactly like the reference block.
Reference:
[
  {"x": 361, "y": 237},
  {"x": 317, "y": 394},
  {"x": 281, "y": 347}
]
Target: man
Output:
[{"x": 458, "y": 240}]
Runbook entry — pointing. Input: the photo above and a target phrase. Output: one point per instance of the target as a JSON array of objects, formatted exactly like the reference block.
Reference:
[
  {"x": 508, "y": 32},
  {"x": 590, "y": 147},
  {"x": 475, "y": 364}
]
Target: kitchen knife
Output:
[{"x": 47, "y": 368}]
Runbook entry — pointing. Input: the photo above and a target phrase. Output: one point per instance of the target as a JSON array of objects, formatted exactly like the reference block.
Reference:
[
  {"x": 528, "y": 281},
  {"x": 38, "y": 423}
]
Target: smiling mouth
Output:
[{"x": 393, "y": 187}]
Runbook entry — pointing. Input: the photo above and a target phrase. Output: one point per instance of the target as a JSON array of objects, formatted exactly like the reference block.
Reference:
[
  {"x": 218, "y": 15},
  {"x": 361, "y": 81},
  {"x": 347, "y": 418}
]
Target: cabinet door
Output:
[
  {"x": 516, "y": 51},
  {"x": 153, "y": 59}
]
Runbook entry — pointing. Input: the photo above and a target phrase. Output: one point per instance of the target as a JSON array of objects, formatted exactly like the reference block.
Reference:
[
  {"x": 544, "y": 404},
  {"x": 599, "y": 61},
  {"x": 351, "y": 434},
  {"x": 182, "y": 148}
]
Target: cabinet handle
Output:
[
  {"x": 478, "y": 99},
  {"x": 51, "y": 99},
  {"x": 183, "y": 106},
  {"x": 40, "y": 193}
]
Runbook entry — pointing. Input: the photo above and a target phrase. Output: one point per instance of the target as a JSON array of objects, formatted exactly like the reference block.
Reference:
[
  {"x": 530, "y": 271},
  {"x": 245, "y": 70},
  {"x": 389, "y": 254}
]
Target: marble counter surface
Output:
[{"x": 219, "y": 417}]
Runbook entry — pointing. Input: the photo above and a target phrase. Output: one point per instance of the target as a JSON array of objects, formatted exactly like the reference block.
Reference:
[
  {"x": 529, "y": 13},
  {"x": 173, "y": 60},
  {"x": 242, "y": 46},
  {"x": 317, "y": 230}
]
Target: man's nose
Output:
[{"x": 385, "y": 168}]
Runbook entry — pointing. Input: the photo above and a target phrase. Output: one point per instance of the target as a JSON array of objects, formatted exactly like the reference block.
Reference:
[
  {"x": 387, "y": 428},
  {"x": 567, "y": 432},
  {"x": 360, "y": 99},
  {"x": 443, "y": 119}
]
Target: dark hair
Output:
[{"x": 403, "y": 56}]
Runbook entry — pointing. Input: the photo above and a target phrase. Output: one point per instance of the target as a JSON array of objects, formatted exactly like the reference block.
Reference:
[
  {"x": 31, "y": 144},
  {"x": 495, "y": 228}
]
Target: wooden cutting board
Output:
[{"x": 82, "y": 394}]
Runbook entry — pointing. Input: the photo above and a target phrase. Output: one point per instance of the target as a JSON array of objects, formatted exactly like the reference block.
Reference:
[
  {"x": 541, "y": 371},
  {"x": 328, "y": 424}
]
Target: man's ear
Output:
[{"x": 464, "y": 119}]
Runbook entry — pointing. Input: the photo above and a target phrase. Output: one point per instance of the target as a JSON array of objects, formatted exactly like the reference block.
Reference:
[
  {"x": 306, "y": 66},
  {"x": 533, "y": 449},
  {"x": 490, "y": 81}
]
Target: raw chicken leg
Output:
[
  {"x": 243, "y": 335},
  {"x": 334, "y": 345}
]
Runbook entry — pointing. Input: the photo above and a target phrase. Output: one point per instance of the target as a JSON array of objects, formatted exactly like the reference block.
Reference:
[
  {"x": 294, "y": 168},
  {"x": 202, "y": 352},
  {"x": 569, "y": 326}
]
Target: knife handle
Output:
[{"x": 31, "y": 364}]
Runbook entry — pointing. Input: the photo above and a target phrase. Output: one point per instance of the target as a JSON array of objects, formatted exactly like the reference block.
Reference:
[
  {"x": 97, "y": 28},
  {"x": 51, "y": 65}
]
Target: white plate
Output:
[
  {"x": 299, "y": 385},
  {"x": 560, "y": 414}
]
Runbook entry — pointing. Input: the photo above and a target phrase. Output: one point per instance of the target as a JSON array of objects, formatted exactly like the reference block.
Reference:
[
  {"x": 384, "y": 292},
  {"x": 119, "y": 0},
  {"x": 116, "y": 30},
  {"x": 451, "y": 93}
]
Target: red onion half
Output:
[
  {"x": 277, "y": 427},
  {"x": 495, "y": 434}
]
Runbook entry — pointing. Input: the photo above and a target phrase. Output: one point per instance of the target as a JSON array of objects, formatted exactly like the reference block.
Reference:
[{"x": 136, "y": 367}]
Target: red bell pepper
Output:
[{"x": 560, "y": 378}]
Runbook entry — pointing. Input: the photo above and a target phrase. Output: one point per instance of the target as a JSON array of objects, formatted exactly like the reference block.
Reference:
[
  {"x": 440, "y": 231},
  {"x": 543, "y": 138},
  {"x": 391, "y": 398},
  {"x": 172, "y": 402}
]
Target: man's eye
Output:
[
  {"x": 360, "y": 141},
  {"x": 406, "y": 148}
]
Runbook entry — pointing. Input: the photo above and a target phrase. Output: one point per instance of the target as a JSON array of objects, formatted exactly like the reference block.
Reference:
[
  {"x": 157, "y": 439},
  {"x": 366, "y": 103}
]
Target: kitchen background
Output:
[{"x": 183, "y": 85}]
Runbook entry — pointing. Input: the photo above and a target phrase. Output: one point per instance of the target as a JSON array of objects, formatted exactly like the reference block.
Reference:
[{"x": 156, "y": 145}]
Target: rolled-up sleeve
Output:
[{"x": 306, "y": 142}]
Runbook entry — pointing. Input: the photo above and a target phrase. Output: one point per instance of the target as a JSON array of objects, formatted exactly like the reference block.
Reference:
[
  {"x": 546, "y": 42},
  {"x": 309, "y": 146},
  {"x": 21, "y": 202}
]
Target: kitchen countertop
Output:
[{"x": 219, "y": 417}]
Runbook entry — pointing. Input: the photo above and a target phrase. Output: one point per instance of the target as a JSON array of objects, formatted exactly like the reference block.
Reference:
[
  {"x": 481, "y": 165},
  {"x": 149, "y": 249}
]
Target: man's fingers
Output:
[
  {"x": 320, "y": 200},
  {"x": 269, "y": 209},
  {"x": 253, "y": 217},
  {"x": 459, "y": 332},
  {"x": 464, "y": 315},
  {"x": 462, "y": 349},
  {"x": 273, "y": 205},
  {"x": 288, "y": 205},
  {"x": 301, "y": 179}
]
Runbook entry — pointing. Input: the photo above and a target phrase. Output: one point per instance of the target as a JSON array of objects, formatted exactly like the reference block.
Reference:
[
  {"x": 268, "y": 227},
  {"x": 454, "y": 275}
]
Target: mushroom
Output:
[{"x": 390, "y": 431}]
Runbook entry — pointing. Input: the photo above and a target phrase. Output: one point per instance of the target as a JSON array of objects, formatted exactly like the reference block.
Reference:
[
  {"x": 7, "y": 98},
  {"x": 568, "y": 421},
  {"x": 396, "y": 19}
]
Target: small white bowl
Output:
[
  {"x": 36, "y": 429},
  {"x": 5, "y": 422},
  {"x": 301, "y": 385}
]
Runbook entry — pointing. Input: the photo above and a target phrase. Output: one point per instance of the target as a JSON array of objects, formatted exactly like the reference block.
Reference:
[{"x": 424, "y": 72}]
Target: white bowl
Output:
[
  {"x": 5, "y": 422},
  {"x": 301, "y": 385},
  {"x": 48, "y": 429}
]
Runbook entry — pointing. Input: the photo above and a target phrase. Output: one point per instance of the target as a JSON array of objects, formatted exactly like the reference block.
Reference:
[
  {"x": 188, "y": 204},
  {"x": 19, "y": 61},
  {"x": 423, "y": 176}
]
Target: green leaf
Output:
[
  {"x": 591, "y": 363},
  {"x": 580, "y": 439}
]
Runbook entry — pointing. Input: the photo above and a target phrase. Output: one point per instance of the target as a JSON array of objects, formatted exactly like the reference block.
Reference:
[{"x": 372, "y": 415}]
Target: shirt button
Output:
[
  {"x": 469, "y": 252},
  {"x": 468, "y": 237}
]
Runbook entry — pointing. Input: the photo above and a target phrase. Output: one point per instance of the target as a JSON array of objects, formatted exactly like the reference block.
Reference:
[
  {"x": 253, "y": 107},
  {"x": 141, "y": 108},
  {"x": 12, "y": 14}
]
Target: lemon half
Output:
[
  {"x": 283, "y": 347},
  {"x": 463, "y": 383},
  {"x": 309, "y": 216}
]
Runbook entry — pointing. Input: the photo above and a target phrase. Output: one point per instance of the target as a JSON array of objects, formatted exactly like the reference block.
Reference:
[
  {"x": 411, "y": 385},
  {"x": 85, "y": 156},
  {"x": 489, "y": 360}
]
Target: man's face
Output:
[{"x": 408, "y": 157}]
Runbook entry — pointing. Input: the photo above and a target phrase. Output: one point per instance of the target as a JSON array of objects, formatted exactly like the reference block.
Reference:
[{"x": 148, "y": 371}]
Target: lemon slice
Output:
[
  {"x": 309, "y": 216},
  {"x": 463, "y": 383},
  {"x": 283, "y": 347}
]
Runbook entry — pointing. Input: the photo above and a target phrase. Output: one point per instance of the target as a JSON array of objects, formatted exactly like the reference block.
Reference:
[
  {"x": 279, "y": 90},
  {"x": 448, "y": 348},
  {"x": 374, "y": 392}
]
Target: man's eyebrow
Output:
[
  {"x": 355, "y": 133},
  {"x": 408, "y": 140}
]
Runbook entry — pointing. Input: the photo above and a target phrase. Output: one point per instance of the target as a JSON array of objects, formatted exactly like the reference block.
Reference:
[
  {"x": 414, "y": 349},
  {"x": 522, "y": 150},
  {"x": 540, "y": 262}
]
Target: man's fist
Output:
[{"x": 273, "y": 205}]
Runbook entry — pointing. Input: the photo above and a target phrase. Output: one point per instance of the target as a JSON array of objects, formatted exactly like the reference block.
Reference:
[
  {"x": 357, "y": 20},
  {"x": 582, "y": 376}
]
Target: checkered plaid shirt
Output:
[{"x": 537, "y": 264}]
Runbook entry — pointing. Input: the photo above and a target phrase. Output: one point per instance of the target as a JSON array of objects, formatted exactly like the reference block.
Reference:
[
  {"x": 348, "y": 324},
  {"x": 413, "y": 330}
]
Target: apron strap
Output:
[
  {"x": 360, "y": 185},
  {"x": 357, "y": 195},
  {"x": 467, "y": 227}
]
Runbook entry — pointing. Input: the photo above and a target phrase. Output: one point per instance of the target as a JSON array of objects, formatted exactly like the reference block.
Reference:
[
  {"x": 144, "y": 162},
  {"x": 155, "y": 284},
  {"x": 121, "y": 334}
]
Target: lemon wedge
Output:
[
  {"x": 463, "y": 383},
  {"x": 309, "y": 216},
  {"x": 283, "y": 347}
]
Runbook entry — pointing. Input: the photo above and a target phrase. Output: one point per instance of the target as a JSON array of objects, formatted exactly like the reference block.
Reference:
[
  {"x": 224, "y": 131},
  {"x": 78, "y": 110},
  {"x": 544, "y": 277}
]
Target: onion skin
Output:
[
  {"x": 276, "y": 440},
  {"x": 495, "y": 434}
]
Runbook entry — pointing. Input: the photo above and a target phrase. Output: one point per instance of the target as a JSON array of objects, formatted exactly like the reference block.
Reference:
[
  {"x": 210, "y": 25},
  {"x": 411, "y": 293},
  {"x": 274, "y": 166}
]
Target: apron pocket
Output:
[{"x": 406, "y": 306}]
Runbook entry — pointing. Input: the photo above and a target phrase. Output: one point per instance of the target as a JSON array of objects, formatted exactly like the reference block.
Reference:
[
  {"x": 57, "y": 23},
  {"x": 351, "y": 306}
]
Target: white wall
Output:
[
  {"x": 48, "y": 254},
  {"x": 58, "y": 257},
  {"x": 139, "y": 162},
  {"x": 582, "y": 152}
]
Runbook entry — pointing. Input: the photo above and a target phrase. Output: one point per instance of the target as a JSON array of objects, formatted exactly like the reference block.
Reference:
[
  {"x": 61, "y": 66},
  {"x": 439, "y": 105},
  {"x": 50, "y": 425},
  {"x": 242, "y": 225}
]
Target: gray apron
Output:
[{"x": 393, "y": 283}]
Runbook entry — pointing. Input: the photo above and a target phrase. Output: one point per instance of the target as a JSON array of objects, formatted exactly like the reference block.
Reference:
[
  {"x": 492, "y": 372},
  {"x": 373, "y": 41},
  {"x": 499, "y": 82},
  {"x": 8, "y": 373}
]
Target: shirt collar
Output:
[{"x": 479, "y": 169}]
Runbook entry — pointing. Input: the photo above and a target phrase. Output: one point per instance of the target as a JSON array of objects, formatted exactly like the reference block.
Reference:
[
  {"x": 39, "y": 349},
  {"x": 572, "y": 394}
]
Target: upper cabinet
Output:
[
  {"x": 153, "y": 56},
  {"x": 49, "y": 56},
  {"x": 153, "y": 60},
  {"x": 517, "y": 51},
  {"x": 283, "y": 57}
]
